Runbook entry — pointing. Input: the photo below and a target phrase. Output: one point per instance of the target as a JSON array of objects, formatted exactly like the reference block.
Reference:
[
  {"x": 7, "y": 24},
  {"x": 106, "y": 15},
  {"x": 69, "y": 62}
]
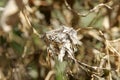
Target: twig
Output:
[
  {"x": 112, "y": 49},
  {"x": 96, "y": 76},
  {"x": 24, "y": 52},
  {"x": 30, "y": 25},
  {"x": 50, "y": 73},
  {"x": 93, "y": 20},
  {"x": 108, "y": 44},
  {"x": 90, "y": 68},
  {"x": 113, "y": 41},
  {"x": 90, "y": 11},
  {"x": 108, "y": 59},
  {"x": 26, "y": 17}
]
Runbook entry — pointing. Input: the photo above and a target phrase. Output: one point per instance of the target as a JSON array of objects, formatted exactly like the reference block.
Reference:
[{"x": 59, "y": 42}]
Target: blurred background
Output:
[{"x": 24, "y": 56}]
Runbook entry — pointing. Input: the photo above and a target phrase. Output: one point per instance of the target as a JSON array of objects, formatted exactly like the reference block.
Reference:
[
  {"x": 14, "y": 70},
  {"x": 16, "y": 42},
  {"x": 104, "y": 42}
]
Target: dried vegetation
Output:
[{"x": 60, "y": 40}]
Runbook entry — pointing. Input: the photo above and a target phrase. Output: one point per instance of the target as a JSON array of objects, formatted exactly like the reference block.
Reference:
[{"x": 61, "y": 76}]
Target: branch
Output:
[
  {"x": 50, "y": 73},
  {"x": 88, "y": 67},
  {"x": 90, "y": 11}
]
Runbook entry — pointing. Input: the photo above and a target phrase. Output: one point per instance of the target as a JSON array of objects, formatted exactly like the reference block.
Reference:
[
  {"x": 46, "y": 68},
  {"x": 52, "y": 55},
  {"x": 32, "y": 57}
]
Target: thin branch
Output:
[
  {"x": 88, "y": 67},
  {"x": 111, "y": 48},
  {"x": 30, "y": 25},
  {"x": 93, "y": 20},
  {"x": 113, "y": 41},
  {"x": 50, "y": 73},
  {"x": 90, "y": 11},
  {"x": 96, "y": 76},
  {"x": 27, "y": 19}
]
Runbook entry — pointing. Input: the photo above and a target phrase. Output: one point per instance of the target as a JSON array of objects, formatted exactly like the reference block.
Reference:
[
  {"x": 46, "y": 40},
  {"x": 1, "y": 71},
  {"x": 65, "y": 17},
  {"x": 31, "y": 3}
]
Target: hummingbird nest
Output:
[{"x": 62, "y": 41}]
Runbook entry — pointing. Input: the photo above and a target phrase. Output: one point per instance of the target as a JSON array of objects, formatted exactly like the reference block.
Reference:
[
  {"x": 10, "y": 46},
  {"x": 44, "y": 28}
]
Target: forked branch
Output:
[{"x": 96, "y": 8}]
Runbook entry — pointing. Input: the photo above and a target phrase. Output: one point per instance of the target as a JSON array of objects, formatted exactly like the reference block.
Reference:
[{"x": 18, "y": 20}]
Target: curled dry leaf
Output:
[{"x": 61, "y": 41}]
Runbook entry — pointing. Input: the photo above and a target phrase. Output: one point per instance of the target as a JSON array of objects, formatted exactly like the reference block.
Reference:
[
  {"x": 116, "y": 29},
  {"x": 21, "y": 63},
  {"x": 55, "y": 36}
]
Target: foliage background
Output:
[{"x": 24, "y": 56}]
